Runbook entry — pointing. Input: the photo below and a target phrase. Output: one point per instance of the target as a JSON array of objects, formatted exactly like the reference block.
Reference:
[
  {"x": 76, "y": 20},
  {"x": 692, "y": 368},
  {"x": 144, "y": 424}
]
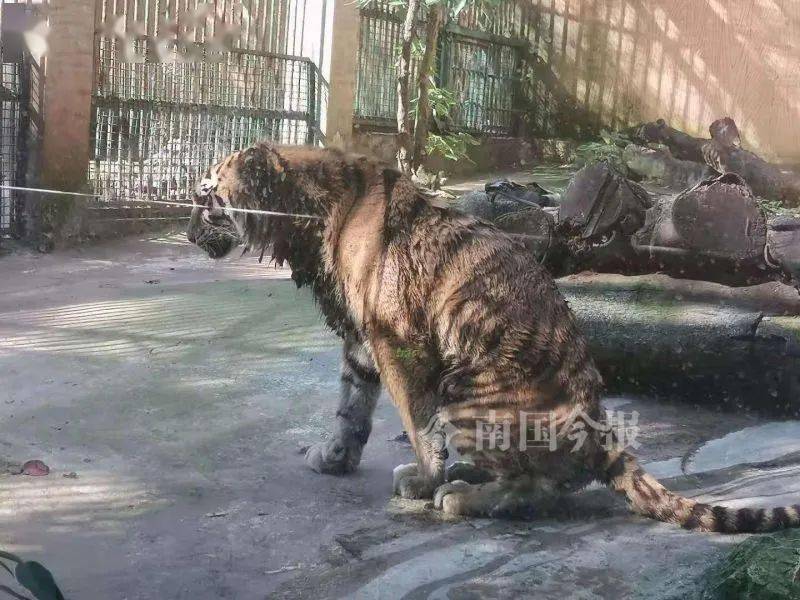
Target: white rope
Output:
[{"x": 252, "y": 211}]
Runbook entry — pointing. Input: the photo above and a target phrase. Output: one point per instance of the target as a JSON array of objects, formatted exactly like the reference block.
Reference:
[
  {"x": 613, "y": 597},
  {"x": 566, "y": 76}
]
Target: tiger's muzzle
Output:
[{"x": 212, "y": 230}]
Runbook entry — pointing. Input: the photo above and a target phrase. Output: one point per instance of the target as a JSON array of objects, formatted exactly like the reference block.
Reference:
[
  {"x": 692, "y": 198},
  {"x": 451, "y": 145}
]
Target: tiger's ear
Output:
[{"x": 278, "y": 164}]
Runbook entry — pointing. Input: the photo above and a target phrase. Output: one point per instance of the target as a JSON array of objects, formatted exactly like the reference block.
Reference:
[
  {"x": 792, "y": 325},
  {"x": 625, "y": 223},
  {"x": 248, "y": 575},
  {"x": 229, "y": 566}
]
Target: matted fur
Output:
[{"x": 455, "y": 318}]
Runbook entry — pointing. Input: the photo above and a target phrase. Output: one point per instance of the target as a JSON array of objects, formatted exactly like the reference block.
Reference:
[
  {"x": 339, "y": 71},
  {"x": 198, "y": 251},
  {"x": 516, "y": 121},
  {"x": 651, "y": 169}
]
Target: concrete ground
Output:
[{"x": 179, "y": 392}]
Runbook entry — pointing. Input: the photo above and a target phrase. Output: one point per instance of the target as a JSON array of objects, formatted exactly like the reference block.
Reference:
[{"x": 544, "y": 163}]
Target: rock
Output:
[
  {"x": 507, "y": 196},
  {"x": 766, "y": 567},
  {"x": 35, "y": 468},
  {"x": 10, "y": 468},
  {"x": 503, "y": 197}
]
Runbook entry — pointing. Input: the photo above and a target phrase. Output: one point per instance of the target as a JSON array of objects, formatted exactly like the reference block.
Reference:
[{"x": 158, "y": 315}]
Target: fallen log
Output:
[
  {"x": 660, "y": 167},
  {"x": 773, "y": 298},
  {"x": 682, "y": 145},
  {"x": 696, "y": 341},
  {"x": 783, "y": 246},
  {"x": 714, "y": 231},
  {"x": 767, "y": 180},
  {"x": 724, "y": 154}
]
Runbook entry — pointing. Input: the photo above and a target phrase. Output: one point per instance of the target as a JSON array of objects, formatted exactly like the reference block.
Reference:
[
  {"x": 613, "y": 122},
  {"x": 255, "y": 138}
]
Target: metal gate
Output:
[
  {"x": 158, "y": 124},
  {"x": 479, "y": 61}
]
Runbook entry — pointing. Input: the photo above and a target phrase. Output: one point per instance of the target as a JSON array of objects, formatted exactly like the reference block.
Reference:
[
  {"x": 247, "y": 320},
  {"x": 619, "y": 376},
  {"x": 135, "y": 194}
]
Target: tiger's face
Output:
[{"x": 212, "y": 227}]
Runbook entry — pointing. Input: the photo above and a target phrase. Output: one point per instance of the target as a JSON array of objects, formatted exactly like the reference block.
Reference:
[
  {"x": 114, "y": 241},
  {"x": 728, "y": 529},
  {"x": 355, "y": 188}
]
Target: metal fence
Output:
[
  {"x": 157, "y": 125},
  {"x": 9, "y": 140},
  {"x": 479, "y": 61},
  {"x": 484, "y": 77},
  {"x": 15, "y": 87}
]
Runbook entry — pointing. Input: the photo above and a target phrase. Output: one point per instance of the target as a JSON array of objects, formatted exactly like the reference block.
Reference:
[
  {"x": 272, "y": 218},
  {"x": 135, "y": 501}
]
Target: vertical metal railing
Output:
[
  {"x": 159, "y": 121},
  {"x": 16, "y": 68},
  {"x": 480, "y": 62}
]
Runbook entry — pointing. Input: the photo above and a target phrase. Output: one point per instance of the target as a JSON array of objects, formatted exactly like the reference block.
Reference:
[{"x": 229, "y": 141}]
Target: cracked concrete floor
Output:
[{"x": 180, "y": 390}]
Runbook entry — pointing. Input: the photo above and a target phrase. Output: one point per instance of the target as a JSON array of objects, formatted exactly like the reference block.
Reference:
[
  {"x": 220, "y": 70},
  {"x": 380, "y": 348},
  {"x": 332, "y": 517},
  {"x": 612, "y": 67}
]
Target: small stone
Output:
[
  {"x": 70, "y": 475},
  {"x": 35, "y": 468}
]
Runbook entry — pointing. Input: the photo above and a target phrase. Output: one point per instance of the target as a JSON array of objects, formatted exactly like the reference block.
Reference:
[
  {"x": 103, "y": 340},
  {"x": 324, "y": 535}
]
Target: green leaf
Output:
[{"x": 36, "y": 578}]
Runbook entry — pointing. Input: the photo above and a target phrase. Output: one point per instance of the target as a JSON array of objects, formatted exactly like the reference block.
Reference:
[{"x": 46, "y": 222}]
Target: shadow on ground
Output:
[{"x": 179, "y": 391}]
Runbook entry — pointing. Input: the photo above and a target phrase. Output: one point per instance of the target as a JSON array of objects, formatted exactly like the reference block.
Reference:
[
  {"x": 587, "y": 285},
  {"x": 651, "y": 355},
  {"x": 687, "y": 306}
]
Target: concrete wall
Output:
[
  {"x": 493, "y": 153},
  {"x": 687, "y": 61}
]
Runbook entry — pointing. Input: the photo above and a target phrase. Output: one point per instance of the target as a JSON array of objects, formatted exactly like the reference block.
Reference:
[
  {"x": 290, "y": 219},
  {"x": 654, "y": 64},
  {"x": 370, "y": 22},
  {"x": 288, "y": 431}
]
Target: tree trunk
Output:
[
  {"x": 404, "y": 139},
  {"x": 434, "y": 26},
  {"x": 700, "y": 341},
  {"x": 682, "y": 145}
]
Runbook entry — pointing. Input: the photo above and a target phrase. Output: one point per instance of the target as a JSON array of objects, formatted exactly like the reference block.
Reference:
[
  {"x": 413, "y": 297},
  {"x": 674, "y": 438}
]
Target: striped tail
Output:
[{"x": 651, "y": 499}]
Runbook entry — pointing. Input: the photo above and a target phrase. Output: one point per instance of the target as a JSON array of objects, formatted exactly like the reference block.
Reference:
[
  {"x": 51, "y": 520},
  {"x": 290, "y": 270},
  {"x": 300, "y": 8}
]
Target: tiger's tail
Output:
[{"x": 648, "y": 497}]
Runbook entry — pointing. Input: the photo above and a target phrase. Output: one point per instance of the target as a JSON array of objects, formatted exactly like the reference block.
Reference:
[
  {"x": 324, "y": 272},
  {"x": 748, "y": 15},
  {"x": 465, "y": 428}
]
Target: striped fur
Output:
[
  {"x": 452, "y": 317},
  {"x": 651, "y": 499}
]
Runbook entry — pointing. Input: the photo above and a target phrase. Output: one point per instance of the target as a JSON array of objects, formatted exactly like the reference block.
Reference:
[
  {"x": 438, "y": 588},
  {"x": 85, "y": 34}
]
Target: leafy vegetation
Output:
[
  {"x": 775, "y": 208},
  {"x": 32, "y": 576},
  {"x": 765, "y": 567},
  {"x": 452, "y": 146},
  {"x": 609, "y": 148}
]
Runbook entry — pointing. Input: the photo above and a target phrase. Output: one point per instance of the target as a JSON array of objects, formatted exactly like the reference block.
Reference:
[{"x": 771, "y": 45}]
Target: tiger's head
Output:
[
  {"x": 212, "y": 227},
  {"x": 253, "y": 179}
]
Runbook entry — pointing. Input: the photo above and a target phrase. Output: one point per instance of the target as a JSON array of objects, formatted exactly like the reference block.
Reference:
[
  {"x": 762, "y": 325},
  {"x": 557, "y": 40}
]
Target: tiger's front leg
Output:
[{"x": 360, "y": 386}]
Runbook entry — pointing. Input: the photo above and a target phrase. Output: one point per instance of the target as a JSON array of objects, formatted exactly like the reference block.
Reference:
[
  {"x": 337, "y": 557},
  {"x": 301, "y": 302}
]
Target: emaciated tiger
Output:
[{"x": 456, "y": 321}]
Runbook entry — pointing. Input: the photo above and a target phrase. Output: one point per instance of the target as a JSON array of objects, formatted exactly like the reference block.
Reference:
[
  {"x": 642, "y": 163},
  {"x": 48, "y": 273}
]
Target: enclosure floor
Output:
[{"x": 180, "y": 390}]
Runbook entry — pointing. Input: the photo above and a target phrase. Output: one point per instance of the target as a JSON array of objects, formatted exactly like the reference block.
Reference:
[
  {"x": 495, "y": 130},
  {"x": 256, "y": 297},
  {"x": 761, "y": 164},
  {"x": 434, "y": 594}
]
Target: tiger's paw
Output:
[
  {"x": 408, "y": 484},
  {"x": 333, "y": 457},
  {"x": 467, "y": 471},
  {"x": 495, "y": 499}
]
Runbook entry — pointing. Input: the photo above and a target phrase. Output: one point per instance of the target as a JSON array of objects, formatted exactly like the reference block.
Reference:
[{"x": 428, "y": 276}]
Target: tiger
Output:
[{"x": 452, "y": 317}]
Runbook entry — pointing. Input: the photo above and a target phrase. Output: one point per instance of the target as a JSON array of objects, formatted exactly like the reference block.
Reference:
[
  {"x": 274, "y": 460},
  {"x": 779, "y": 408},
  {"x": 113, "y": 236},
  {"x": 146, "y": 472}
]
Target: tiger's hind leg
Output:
[
  {"x": 520, "y": 497},
  {"x": 408, "y": 372},
  {"x": 360, "y": 387}
]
